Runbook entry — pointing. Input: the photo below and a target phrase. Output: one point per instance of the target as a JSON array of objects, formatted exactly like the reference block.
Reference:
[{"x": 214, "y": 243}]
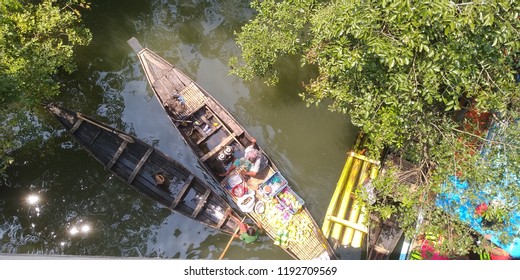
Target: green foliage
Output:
[
  {"x": 277, "y": 31},
  {"x": 404, "y": 71},
  {"x": 37, "y": 39},
  {"x": 36, "y": 42}
]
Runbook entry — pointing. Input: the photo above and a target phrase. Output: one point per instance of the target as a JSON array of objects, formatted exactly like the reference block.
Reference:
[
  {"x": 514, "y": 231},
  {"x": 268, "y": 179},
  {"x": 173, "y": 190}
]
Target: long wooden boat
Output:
[
  {"x": 149, "y": 171},
  {"x": 211, "y": 131}
]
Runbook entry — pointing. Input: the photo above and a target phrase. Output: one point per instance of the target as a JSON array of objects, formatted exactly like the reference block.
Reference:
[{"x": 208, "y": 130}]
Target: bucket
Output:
[{"x": 239, "y": 190}]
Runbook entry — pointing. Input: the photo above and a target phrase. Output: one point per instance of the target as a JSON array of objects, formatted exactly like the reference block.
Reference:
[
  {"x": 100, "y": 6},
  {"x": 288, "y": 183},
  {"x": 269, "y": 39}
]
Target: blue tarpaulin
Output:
[{"x": 457, "y": 203}]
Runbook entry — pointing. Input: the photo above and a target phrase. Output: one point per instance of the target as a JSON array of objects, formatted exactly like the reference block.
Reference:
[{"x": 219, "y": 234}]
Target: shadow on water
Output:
[{"x": 83, "y": 210}]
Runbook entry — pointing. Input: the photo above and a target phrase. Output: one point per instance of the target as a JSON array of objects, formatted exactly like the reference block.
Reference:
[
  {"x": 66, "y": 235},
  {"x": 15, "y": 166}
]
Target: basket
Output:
[
  {"x": 276, "y": 182},
  {"x": 290, "y": 200}
]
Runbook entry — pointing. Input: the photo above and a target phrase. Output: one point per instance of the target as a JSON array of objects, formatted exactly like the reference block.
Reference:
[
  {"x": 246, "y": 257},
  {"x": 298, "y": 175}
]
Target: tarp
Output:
[{"x": 455, "y": 203}]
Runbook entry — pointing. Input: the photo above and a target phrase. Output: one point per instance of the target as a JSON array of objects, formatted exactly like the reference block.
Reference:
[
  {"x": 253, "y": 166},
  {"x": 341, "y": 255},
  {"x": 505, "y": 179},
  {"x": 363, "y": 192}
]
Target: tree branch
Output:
[{"x": 484, "y": 139}]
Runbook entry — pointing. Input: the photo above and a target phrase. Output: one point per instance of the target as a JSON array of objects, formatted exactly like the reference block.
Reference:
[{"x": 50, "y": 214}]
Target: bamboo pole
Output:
[
  {"x": 347, "y": 223},
  {"x": 353, "y": 216},
  {"x": 326, "y": 227},
  {"x": 342, "y": 206},
  {"x": 231, "y": 240},
  {"x": 357, "y": 239}
]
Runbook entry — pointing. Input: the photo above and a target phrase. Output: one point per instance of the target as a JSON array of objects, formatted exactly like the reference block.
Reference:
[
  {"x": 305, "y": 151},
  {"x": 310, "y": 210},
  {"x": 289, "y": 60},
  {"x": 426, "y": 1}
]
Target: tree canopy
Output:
[
  {"x": 37, "y": 41},
  {"x": 406, "y": 71}
]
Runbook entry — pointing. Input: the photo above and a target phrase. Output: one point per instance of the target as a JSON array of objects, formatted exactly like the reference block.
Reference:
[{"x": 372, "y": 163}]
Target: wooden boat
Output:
[
  {"x": 383, "y": 236},
  {"x": 149, "y": 171},
  {"x": 217, "y": 139}
]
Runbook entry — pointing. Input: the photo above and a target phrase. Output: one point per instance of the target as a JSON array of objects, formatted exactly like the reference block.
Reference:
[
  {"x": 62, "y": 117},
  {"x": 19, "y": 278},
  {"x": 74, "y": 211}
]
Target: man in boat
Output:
[
  {"x": 162, "y": 182},
  {"x": 253, "y": 162},
  {"x": 175, "y": 104},
  {"x": 248, "y": 234}
]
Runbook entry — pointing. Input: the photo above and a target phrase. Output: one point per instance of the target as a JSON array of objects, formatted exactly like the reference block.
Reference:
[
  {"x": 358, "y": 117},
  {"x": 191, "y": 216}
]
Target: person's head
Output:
[
  {"x": 251, "y": 231},
  {"x": 159, "y": 179},
  {"x": 252, "y": 155}
]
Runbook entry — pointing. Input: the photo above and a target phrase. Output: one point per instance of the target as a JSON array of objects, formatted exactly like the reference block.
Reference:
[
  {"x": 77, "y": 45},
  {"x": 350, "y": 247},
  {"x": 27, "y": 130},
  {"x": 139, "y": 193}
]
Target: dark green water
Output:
[{"x": 307, "y": 144}]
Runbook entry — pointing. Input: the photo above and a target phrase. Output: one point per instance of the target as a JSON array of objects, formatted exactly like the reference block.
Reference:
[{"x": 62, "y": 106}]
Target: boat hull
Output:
[{"x": 149, "y": 171}]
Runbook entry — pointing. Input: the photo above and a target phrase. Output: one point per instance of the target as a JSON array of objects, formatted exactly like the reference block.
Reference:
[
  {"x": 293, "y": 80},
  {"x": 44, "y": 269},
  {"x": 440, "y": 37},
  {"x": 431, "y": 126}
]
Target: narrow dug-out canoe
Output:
[
  {"x": 217, "y": 140},
  {"x": 149, "y": 171}
]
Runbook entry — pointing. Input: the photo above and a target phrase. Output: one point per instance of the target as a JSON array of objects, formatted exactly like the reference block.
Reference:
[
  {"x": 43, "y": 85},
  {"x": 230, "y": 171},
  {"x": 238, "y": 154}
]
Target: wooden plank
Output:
[
  {"x": 219, "y": 147},
  {"x": 76, "y": 125},
  {"x": 224, "y": 218},
  {"x": 117, "y": 154},
  {"x": 224, "y": 117},
  {"x": 182, "y": 192},
  {"x": 139, "y": 165},
  {"x": 381, "y": 250},
  {"x": 95, "y": 137},
  {"x": 373, "y": 241},
  {"x": 347, "y": 223},
  {"x": 134, "y": 43},
  {"x": 201, "y": 203},
  {"x": 206, "y": 135},
  {"x": 195, "y": 109}
]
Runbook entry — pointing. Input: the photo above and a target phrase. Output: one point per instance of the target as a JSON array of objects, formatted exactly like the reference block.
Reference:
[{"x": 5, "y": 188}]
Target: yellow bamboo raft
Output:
[{"x": 345, "y": 220}]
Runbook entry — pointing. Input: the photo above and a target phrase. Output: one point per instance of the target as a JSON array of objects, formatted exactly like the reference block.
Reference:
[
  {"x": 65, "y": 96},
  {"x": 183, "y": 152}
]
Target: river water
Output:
[{"x": 56, "y": 199}]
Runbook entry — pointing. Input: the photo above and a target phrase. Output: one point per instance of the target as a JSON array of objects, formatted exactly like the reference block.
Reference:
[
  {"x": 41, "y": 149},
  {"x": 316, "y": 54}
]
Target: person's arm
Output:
[
  {"x": 228, "y": 171},
  {"x": 255, "y": 168},
  {"x": 253, "y": 143},
  {"x": 248, "y": 173}
]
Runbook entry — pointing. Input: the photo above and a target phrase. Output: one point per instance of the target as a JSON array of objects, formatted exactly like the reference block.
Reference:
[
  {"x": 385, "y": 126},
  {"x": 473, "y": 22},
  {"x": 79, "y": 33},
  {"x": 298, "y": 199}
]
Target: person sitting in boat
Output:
[
  {"x": 175, "y": 104},
  {"x": 161, "y": 181},
  {"x": 253, "y": 162},
  {"x": 248, "y": 234}
]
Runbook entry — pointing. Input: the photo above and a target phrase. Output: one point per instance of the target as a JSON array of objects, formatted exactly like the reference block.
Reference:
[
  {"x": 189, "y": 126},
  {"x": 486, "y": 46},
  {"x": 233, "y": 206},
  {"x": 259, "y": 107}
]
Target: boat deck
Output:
[{"x": 304, "y": 244}]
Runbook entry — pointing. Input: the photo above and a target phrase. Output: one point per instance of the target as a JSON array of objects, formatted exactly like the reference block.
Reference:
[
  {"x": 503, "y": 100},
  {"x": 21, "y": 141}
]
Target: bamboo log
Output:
[
  {"x": 365, "y": 158},
  {"x": 354, "y": 212},
  {"x": 357, "y": 239},
  {"x": 326, "y": 227},
  {"x": 345, "y": 198},
  {"x": 347, "y": 223}
]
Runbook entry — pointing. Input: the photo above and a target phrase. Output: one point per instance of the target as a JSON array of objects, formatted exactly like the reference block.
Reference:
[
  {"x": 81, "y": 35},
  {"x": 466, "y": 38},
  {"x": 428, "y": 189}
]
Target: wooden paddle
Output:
[{"x": 231, "y": 239}]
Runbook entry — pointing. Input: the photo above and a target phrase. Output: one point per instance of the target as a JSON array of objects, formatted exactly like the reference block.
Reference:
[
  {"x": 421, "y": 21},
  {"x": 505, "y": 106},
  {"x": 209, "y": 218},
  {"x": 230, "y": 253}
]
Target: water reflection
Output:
[
  {"x": 32, "y": 199},
  {"x": 80, "y": 227}
]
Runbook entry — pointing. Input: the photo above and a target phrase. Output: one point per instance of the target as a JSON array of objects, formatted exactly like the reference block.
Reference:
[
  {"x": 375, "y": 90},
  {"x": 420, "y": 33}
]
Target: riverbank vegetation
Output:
[
  {"x": 408, "y": 73},
  {"x": 37, "y": 41}
]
